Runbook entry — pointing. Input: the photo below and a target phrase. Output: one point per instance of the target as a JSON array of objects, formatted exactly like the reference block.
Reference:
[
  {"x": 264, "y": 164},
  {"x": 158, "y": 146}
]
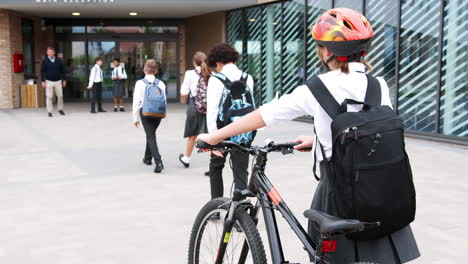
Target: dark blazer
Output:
[{"x": 52, "y": 71}]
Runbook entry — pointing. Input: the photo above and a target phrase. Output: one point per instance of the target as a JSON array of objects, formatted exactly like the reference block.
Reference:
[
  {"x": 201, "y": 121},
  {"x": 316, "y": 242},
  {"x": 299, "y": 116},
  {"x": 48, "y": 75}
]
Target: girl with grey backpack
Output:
[
  {"x": 195, "y": 87},
  {"x": 149, "y": 108}
]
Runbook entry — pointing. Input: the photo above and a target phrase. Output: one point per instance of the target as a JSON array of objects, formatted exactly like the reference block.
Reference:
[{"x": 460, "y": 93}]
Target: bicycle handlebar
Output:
[{"x": 271, "y": 147}]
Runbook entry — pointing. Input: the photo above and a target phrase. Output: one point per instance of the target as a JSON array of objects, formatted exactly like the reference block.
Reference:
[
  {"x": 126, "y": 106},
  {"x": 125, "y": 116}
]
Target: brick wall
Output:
[{"x": 11, "y": 42}]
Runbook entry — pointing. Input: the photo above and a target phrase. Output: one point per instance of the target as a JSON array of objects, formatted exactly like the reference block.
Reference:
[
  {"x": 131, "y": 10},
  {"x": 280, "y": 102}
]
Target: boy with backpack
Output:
[
  {"x": 229, "y": 96},
  {"x": 195, "y": 87},
  {"x": 149, "y": 107},
  {"x": 364, "y": 170}
]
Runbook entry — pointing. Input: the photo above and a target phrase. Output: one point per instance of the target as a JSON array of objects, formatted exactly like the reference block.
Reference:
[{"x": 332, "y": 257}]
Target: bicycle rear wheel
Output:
[{"x": 207, "y": 231}]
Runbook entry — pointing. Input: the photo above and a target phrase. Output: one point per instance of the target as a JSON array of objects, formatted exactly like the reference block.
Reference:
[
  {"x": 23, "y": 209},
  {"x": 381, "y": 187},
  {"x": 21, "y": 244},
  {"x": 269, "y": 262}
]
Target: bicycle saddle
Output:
[{"x": 333, "y": 224}]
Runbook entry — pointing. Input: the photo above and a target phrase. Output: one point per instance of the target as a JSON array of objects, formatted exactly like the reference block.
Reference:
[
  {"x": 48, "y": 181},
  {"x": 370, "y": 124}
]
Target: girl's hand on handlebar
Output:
[{"x": 305, "y": 142}]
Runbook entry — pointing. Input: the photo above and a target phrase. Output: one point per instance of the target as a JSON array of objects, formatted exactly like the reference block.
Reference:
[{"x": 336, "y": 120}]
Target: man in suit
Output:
[{"x": 53, "y": 80}]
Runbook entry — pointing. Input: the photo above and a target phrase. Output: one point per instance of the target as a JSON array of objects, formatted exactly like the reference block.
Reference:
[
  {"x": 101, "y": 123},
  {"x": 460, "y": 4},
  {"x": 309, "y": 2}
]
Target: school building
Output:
[{"x": 420, "y": 47}]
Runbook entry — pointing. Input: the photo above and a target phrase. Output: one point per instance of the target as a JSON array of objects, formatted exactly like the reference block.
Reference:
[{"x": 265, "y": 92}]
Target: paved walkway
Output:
[{"x": 73, "y": 189}]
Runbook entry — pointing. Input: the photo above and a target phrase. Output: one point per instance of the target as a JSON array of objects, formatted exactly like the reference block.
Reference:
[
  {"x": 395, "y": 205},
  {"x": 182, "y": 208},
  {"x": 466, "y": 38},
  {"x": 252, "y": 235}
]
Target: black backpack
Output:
[
  {"x": 237, "y": 101},
  {"x": 369, "y": 170}
]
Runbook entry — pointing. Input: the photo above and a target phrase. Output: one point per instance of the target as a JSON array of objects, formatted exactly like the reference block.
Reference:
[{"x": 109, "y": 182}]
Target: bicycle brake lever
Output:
[{"x": 287, "y": 151}]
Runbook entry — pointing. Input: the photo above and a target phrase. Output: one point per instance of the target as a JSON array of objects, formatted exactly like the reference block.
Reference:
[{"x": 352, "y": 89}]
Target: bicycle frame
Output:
[{"x": 261, "y": 187}]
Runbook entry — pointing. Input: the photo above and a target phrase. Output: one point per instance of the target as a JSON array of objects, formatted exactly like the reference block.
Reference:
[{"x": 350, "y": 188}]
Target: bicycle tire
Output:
[{"x": 245, "y": 222}]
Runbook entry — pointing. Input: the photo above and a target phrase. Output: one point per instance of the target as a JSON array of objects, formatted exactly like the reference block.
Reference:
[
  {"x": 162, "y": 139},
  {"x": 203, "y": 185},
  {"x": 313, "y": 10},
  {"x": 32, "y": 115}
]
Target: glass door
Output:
[
  {"x": 165, "y": 54},
  {"x": 132, "y": 56},
  {"x": 73, "y": 55},
  {"x": 107, "y": 51}
]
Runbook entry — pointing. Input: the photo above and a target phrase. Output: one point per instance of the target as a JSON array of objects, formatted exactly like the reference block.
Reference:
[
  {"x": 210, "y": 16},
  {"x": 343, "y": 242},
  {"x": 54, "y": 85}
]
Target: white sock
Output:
[
  {"x": 121, "y": 106},
  {"x": 115, "y": 106},
  {"x": 186, "y": 159}
]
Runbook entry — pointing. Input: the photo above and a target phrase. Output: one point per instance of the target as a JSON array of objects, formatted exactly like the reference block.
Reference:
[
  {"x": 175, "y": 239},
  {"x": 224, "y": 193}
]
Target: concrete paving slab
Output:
[{"x": 73, "y": 189}]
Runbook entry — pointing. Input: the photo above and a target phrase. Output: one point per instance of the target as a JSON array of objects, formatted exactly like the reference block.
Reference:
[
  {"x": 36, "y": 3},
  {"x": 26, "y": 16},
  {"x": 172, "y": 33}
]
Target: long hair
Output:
[{"x": 199, "y": 58}]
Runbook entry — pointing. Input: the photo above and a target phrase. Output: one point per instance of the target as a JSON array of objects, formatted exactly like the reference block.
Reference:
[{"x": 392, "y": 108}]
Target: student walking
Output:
[
  {"x": 341, "y": 50},
  {"x": 223, "y": 58},
  {"x": 53, "y": 80},
  {"x": 195, "y": 87},
  {"x": 118, "y": 78},
  {"x": 96, "y": 78},
  {"x": 149, "y": 107}
]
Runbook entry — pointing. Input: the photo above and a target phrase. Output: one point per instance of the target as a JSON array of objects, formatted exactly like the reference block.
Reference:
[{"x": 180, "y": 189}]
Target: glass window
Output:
[
  {"x": 255, "y": 38},
  {"x": 73, "y": 29},
  {"x": 314, "y": 10},
  {"x": 454, "y": 89},
  {"x": 28, "y": 46},
  {"x": 419, "y": 64},
  {"x": 234, "y": 34},
  {"x": 382, "y": 55},
  {"x": 115, "y": 29},
  {"x": 353, "y": 4},
  {"x": 293, "y": 46},
  {"x": 163, "y": 29}
]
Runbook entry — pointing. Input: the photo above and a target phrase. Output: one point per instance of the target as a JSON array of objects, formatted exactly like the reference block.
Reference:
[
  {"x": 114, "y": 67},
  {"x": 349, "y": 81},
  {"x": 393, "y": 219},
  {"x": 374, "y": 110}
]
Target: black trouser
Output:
[
  {"x": 151, "y": 124},
  {"x": 97, "y": 95},
  {"x": 240, "y": 164}
]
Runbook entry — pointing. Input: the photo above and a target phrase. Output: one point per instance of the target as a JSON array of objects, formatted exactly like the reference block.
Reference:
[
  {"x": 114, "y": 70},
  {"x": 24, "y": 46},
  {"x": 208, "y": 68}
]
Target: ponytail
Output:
[{"x": 199, "y": 58}]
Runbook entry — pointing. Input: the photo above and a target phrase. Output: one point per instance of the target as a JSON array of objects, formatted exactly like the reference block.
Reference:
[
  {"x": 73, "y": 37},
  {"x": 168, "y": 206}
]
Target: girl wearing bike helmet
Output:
[{"x": 343, "y": 37}]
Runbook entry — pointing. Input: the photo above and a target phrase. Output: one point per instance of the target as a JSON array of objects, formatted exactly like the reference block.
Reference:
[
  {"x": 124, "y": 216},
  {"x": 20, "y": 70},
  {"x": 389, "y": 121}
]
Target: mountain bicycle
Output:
[{"x": 225, "y": 230}]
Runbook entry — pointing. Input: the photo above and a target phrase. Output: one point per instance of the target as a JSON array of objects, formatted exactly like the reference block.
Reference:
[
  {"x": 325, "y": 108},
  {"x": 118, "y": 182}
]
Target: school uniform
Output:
[
  {"x": 240, "y": 160},
  {"x": 150, "y": 124},
  {"x": 96, "y": 78},
  {"x": 118, "y": 89},
  {"x": 195, "y": 122},
  {"x": 398, "y": 247}
]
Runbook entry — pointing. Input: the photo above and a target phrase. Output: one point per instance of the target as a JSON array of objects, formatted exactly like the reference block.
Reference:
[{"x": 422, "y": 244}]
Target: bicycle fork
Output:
[{"x": 226, "y": 235}]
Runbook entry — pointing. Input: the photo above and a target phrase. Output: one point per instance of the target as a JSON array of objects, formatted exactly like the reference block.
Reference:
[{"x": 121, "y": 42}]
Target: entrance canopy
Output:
[{"x": 121, "y": 8}]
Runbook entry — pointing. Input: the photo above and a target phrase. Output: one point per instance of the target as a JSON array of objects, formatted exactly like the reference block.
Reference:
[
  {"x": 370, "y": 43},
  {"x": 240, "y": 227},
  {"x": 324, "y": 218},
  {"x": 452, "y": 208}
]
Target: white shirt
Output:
[
  {"x": 215, "y": 91},
  {"x": 189, "y": 86},
  {"x": 119, "y": 71},
  {"x": 301, "y": 102},
  {"x": 139, "y": 94},
  {"x": 52, "y": 59},
  {"x": 95, "y": 75}
]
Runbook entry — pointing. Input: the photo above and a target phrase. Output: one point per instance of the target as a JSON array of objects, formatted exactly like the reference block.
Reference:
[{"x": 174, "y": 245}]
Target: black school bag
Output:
[
  {"x": 237, "y": 101},
  {"x": 369, "y": 170}
]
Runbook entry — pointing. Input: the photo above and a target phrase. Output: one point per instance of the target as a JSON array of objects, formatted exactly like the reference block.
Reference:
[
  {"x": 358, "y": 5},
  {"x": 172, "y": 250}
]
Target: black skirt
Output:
[{"x": 195, "y": 124}]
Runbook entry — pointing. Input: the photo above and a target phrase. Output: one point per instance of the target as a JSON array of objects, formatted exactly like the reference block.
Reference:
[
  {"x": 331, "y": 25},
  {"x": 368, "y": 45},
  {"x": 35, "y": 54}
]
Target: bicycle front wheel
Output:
[{"x": 244, "y": 246}]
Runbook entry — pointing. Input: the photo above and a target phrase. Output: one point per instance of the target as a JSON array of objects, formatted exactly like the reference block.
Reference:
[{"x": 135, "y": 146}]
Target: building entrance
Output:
[{"x": 79, "y": 50}]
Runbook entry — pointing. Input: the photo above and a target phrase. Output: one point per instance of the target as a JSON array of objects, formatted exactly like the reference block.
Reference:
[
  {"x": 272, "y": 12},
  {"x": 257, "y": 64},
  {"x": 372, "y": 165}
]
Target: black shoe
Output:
[
  {"x": 49, "y": 115},
  {"x": 186, "y": 165},
  {"x": 101, "y": 110},
  {"x": 115, "y": 109},
  {"x": 147, "y": 162},
  {"x": 122, "y": 109},
  {"x": 207, "y": 174},
  {"x": 159, "y": 167},
  {"x": 61, "y": 112},
  {"x": 93, "y": 111}
]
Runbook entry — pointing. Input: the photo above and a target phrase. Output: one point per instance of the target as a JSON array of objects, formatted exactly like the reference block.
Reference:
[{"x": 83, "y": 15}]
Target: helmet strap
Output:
[{"x": 325, "y": 63}]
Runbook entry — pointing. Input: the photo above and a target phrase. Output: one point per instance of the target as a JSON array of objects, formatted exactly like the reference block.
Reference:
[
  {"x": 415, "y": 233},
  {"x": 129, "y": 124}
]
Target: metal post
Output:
[
  {"x": 439, "y": 68},
  {"x": 304, "y": 59},
  {"x": 397, "y": 60},
  {"x": 282, "y": 51}
]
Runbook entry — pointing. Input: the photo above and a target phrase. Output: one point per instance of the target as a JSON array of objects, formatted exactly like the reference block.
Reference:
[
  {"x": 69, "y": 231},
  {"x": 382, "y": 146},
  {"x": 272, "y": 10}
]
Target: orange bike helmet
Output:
[{"x": 345, "y": 32}]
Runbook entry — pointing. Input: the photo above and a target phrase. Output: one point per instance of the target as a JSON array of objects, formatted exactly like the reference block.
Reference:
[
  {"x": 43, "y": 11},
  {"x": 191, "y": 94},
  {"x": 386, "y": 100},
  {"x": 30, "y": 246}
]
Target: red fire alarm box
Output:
[{"x": 18, "y": 62}]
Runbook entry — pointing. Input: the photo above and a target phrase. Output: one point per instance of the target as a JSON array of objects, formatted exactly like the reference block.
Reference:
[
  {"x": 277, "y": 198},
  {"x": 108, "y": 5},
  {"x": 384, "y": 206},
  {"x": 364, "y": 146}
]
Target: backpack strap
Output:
[
  {"x": 373, "y": 92},
  {"x": 222, "y": 78},
  {"x": 324, "y": 97},
  {"x": 244, "y": 78},
  {"x": 329, "y": 104}
]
